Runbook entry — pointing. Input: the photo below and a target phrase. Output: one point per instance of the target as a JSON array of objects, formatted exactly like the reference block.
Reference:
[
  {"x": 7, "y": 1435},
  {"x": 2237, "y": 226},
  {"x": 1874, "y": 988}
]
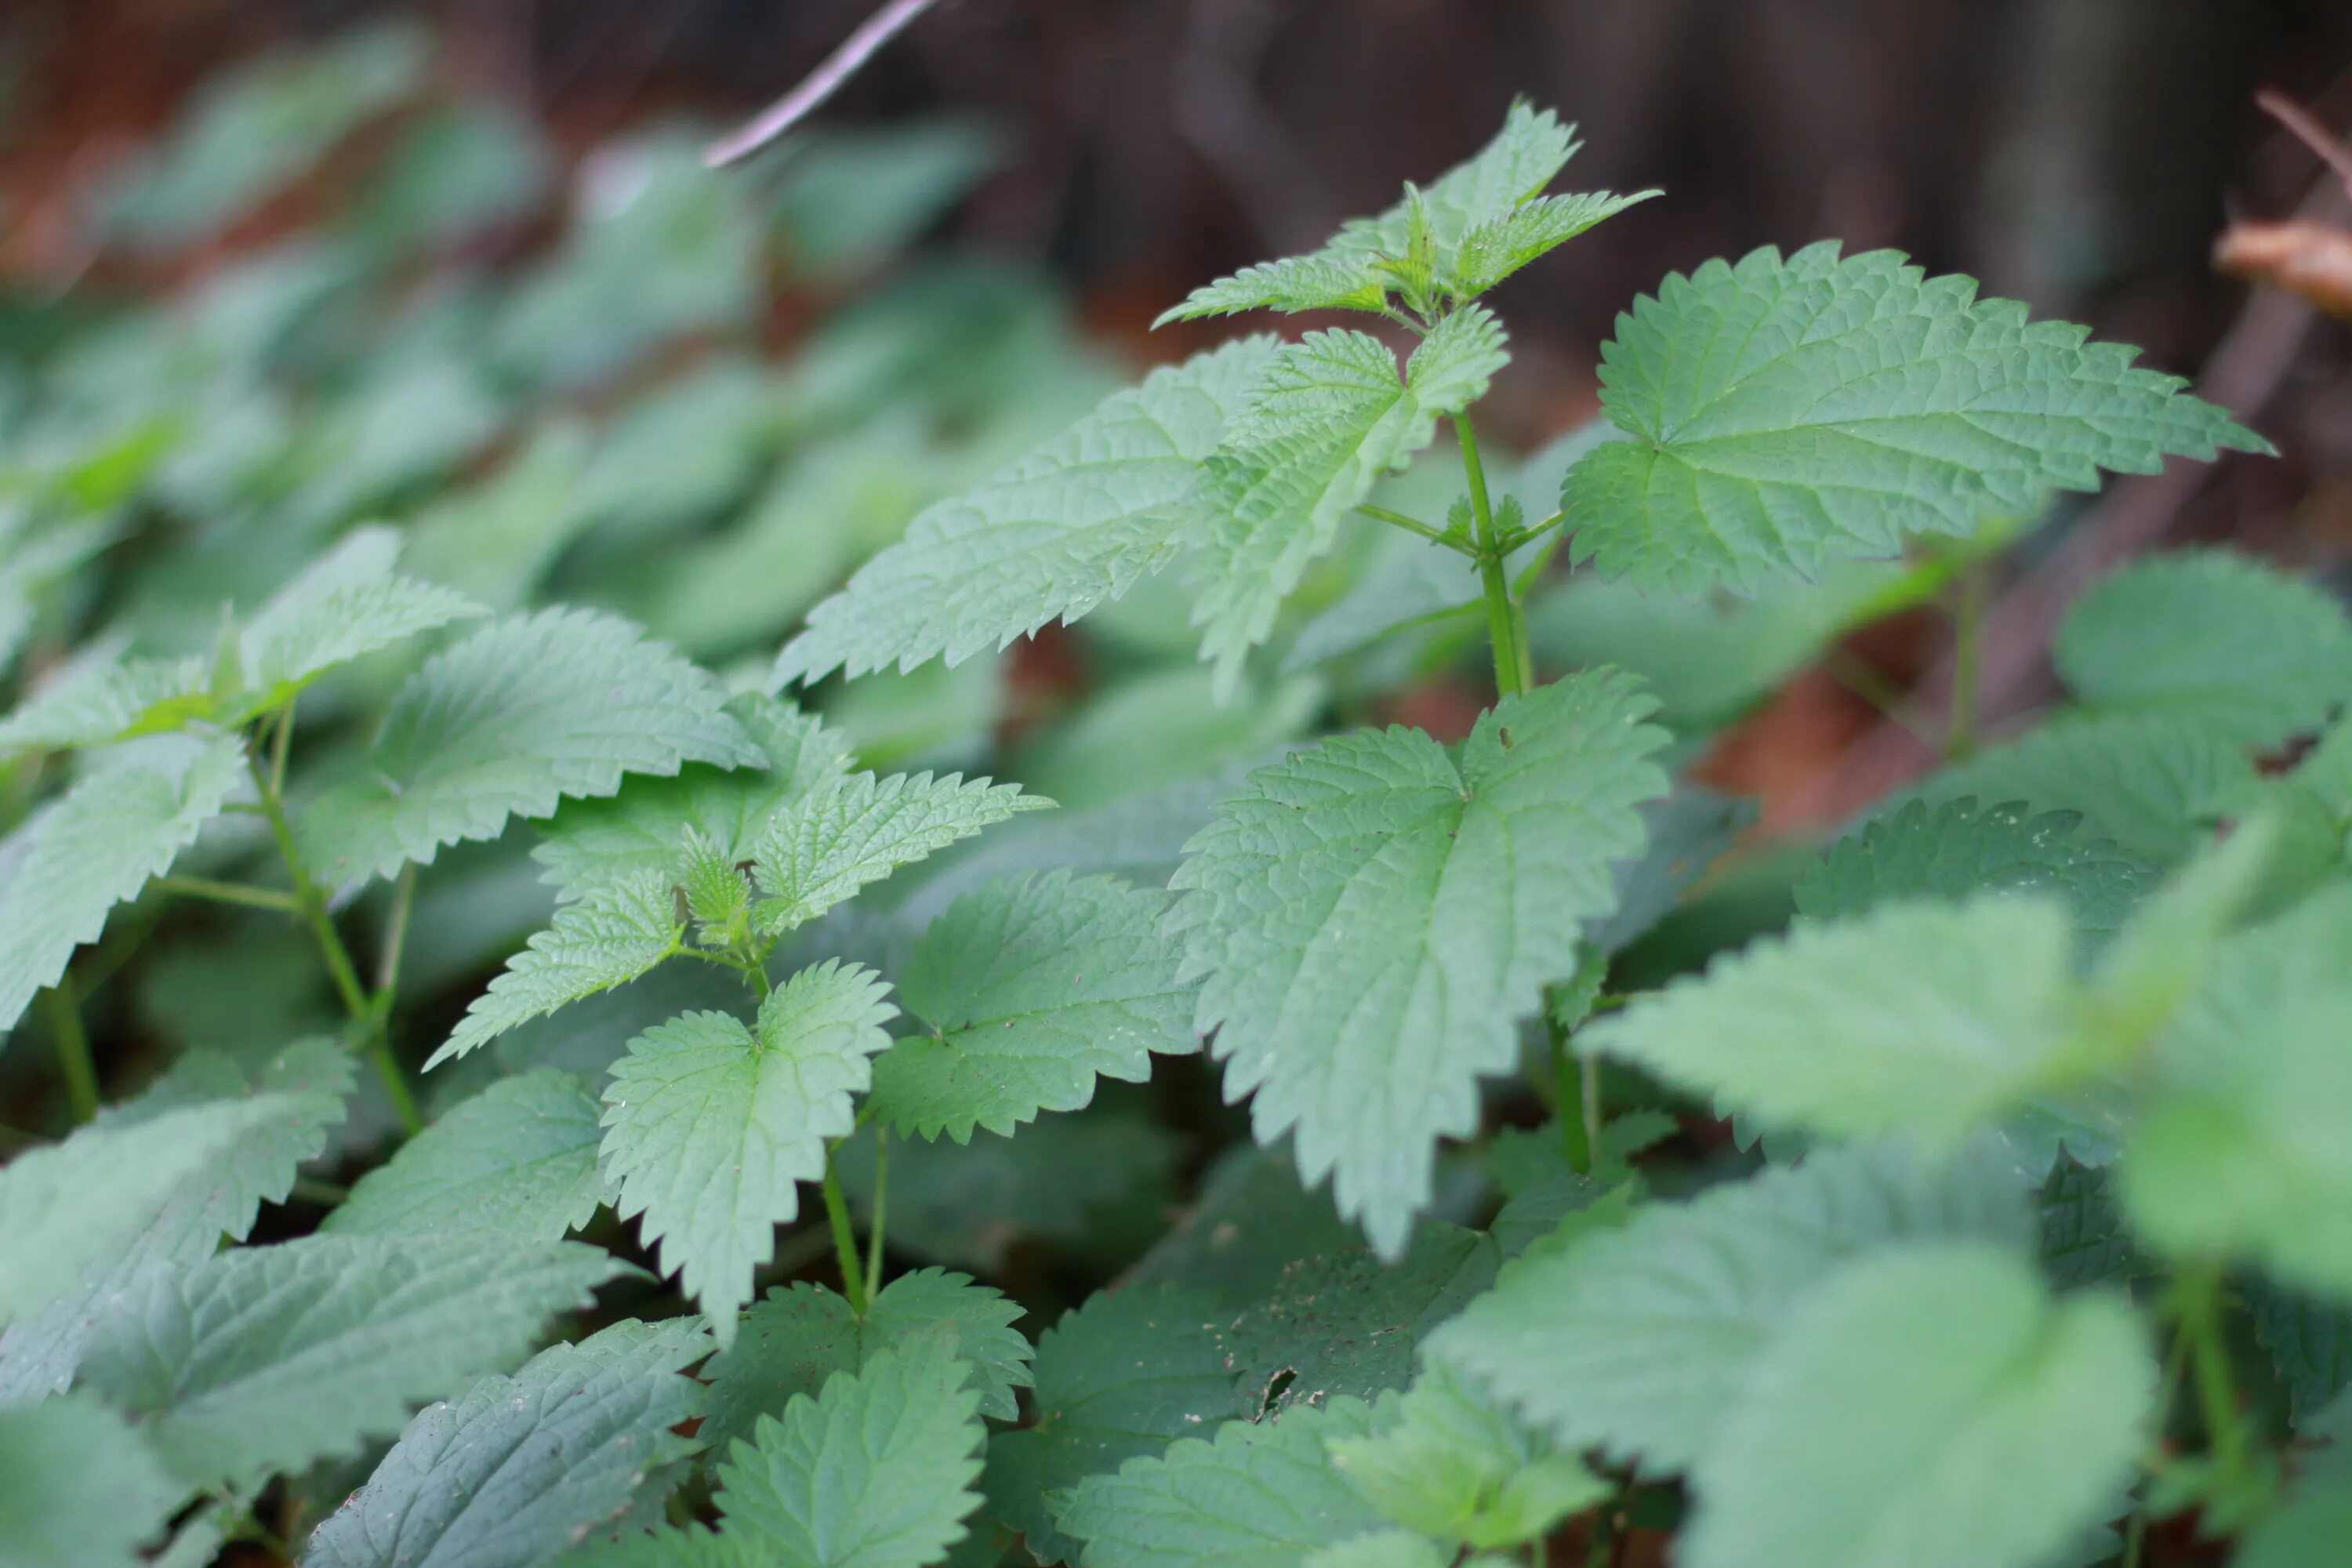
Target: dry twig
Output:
[{"x": 819, "y": 85}]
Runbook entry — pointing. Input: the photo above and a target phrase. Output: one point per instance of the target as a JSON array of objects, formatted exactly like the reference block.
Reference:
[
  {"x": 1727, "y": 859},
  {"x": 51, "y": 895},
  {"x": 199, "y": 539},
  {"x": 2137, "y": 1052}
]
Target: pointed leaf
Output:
[
  {"x": 711, "y": 1127},
  {"x": 1792, "y": 413},
  {"x": 824, "y": 847},
  {"x": 795, "y": 1340},
  {"x": 521, "y": 714},
  {"x": 517, "y": 1161},
  {"x": 611, "y": 937},
  {"x": 347, "y": 603},
  {"x": 265, "y": 1358},
  {"x": 1373, "y": 916},
  {"x": 1033, "y": 990},
  {"x": 64, "y": 871},
  {"x": 515, "y": 1469},
  {"x": 1078, "y": 521}
]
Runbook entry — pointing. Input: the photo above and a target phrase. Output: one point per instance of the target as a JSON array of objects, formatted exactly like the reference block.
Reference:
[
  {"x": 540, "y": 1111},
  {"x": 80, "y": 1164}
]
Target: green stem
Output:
[
  {"x": 395, "y": 937},
  {"x": 881, "y": 1201},
  {"x": 1414, "y": 525},
  {"x": 311, "y": 906},
  {"x": 2209, "y": 1366},
  {"x": 1967, "y": 662},
  {"x": 1575, "y": 1137},
  {"x": 844, "y": 1240},
  {"x": 2176, "y": 1364},
  {"x": 326, "y": 1194},
  {"x": 74, "y": 1060},
  {"x": 1588, "y": 1072},
  {"x": 1502, "y": 627},
  {"x": 229, "y": 893}
]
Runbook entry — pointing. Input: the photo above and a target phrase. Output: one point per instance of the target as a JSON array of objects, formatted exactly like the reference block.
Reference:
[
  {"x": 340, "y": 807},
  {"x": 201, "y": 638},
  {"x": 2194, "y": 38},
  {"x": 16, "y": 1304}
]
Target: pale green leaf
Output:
[
  {"x": 1931, "y": 1017},
  {"x": 874, "y": 1472},
  {"x": 68, "y": 1207},
  {"x": 1960, "y": 848},
  {"x": 795, "y": 1340},
  {"x": 1256, "y": 1496},
  {"x": 711, "y": 1127},
  {"x": 616, "y": 933},
  {"x": 96, "y": 702},
  {"x": 347, "y": 603},
  {"x": 1076, "y": 522},
  {"x": 517, "y": 1161},
  {"x": 523, "y": 714},
  {"x": 78, "y": 1489},
  {"x": 588, "y": 842},
  {"x": 1121, "y": 1377},
  {"x": 303, "y": 1088},
  {"x": 1031, "y": 990},
  {"x": 262, "y": 1359},
  {"x": 65, "y": 868},
  {"x": 2256, "y": 654},
  {"x": 1931, "y": 1404},
  {"x": 1793, "y": 412},
  {"x": 2149, "y": 783},
  {"x": 1493, "y": 249},
  {"x": 1392, "y": 1549},
  {"x": 824, "y": 846},
  {"x": 1445, "y": 1463},
  {"x": 1635, "y": 1339},
  {"x": 517, "y": 1468},
  {"x": 1326, "y": 418},
  {"x": 2241, "y": 1151},
  {"x": 1374, "y": 917}
]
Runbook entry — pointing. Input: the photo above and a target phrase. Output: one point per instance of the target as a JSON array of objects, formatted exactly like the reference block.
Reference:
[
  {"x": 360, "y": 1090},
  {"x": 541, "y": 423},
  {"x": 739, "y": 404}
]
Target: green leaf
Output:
[
  {"x": 2083, "y": 1238},
  {"x": 68, "y": 1206},
  {"x": 262, "y": 1359},
  {"x": 2308, "y": 1532},
  {"x": 514, "y": 1471},
  {"x": 1033, "y": 990},
  {"x": 1076, "y": 522},
  {"x": 1392, "y": 1549},
  {"x": 2241, "y": 1151},
  {"x": 1255, "y": 1496},
  {"x": 795, "y": 1340},
  {"x": 1251, "y": 1221},
  {"x": 1483, "y": 219},
  {"x": 590, "y": 842},
  {"x": 1931, "y": 1017},
  {"x": 65, "y": 868},
  {"x": 1121, "y": 1377},
  {"x": 2309, "y": 1342},
  {"x": 1959, "y": 848},
  {"x": 1374, "y": 917},
  {"x": 874, "y": 1472},
  {"x": 1635, "y": 1339},
  {"x": 300, "y": 1092},
  {"x": 97, "y": 701},
  {"x": 616, "y": 933},
  {"x": 824, "y": 846},
  {"x": 710, "y": 1127},
  {"x": 517, "y": 1161},
  {"x": 1928, "y": 1405},
  {"x": 1448, "y": 1465},
  {"x": 1790, "y": 414},
  {"x": 78, "y": 1489},
  {"x": 1328, "y": 416},
  {"x": 518, "y": 716},
  {"x": 1347, "y": 1323},
  {"x": 2254, "y": 653},
  {"x": 345, "y": 605},
  {"x": 2151, "y": 783}
]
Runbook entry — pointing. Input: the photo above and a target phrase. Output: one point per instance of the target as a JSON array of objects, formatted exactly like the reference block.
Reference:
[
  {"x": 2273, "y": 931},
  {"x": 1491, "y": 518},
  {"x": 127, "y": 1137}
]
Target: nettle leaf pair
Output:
[{"x": 1373, "y": 922}]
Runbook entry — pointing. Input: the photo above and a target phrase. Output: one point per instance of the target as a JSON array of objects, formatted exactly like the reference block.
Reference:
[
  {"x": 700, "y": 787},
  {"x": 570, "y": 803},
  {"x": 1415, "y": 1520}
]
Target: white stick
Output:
[{"x": 819, "y": 85}]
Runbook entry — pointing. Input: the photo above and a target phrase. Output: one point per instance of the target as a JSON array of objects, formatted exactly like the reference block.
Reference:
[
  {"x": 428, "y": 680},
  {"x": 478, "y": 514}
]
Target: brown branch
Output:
[{"x": 819, "y": 85}]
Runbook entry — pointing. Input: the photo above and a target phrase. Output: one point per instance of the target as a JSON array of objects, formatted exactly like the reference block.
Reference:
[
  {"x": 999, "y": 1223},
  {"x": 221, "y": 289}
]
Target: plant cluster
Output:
[{"x": 2031, "y": 1228}]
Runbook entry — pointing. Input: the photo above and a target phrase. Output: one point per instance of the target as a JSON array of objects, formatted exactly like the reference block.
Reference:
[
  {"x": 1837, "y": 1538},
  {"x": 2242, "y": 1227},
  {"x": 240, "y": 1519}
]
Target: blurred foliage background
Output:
[{"x": 269, "y": 268}]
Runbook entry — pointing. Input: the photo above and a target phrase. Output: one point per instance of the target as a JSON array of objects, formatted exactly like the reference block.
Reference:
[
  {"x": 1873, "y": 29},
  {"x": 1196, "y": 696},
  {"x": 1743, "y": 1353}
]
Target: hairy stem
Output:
[
  {"x": 1502, "y": 627},
  {"x": 63, "y": 1007},
  {"x": 844, "y": 1239},
  {"x": 1575, "y": 1135},
  {"x": 1414, "y": 525}
]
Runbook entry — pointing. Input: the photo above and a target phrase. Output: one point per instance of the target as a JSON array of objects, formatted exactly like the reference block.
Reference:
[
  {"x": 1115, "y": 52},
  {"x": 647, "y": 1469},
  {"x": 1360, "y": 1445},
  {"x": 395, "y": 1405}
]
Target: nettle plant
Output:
[{"x": 2044, "y": 1097}]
